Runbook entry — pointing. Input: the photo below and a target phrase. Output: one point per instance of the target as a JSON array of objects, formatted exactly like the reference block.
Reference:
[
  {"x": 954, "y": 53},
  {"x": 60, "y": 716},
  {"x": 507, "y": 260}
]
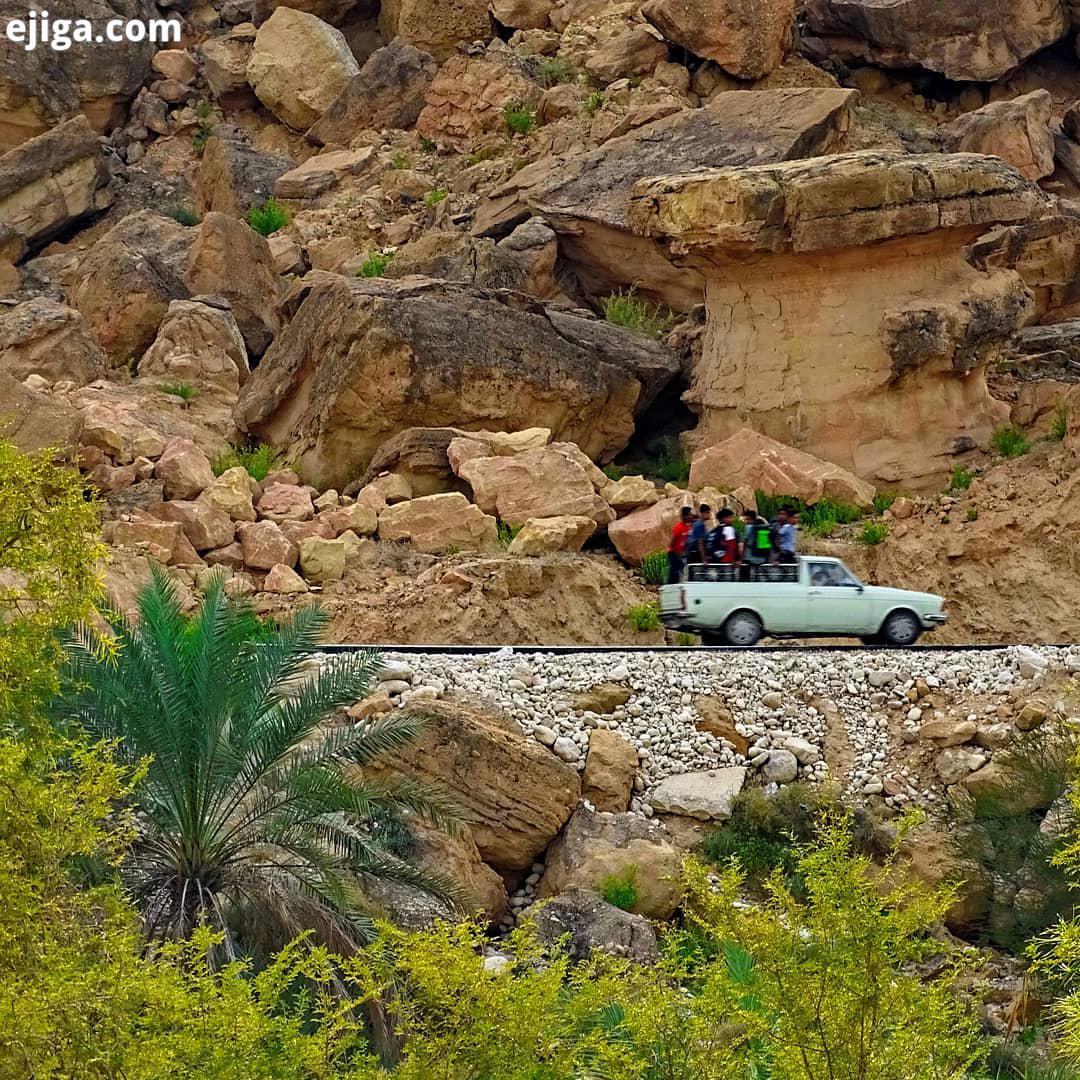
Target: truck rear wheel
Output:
[
  {"x": 743, "y": 628},
  {"x": 901, "y": 628}
]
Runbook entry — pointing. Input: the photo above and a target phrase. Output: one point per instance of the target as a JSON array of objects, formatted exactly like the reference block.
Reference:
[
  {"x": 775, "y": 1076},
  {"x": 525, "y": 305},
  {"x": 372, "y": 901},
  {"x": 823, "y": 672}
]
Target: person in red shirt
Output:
[
  {"x": 676, "y": 556},
  {"x": 725, "y": 544}
]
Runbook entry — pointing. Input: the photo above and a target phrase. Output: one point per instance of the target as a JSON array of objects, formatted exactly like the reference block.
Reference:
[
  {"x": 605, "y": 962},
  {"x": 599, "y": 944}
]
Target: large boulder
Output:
[
  {"x": 962, "y": 39},
  {"x": 224, "y": 66},
  {"x": 233, "y": 176},
  {"x": 703, "y": 796},
  {"x": 43, "y": 86},
  {"x": 438, "y": 523},
  {"x": 387, "y": 93},
  {"x": 299, "y": 66},
  {"x": 205, "y": 526},
  {"x": 183, "y": 469},
  {"x": 584, "y": 197},
  {"x": 36, "y": 421},
  {"x": 364, "y": 359},
  {"x": 516, "y": 794},
  {"x": 875, "y": 355},
  {"x": 535, "y": 484},
  {"x": 581, "y": 921},
  {"x": 597, "y": 846},
  {"x": 1017, "y": 131},
  {"x": 53, "y": 181},
  {"x": 746, "y": 38},
  {"x": 749, "y": 459},
  {"x": 546, "y": 535},
  {"x": 644, "y": 531},
  {"x": 42, "y": 337},
  {"x": 458, "y": 858},
  {"x": 610, "y": 768},
  {"x": 324, "y": 171},
  {"x": 436, "y": 26}
]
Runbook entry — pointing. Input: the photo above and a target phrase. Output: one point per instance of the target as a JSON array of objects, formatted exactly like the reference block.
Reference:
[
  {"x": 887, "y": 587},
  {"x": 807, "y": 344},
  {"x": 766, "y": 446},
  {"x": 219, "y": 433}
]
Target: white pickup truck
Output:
[{"x": 815, "y": 597}]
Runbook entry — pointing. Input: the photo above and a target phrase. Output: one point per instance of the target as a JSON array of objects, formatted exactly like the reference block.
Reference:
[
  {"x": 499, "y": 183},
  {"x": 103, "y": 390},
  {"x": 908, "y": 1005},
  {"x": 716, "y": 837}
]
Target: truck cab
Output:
[{"x": 816, "y": 596}]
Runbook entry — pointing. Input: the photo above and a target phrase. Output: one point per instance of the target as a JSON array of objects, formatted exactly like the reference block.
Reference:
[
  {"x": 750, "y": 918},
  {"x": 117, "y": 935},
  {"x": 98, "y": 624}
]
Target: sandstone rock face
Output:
[
  {"x": 35, "y": 421},
  {"x": 265, "y": 546},
  {"x": 224, "y": 63},
  {"x": 232, "y": 492},
  {"x": 364, "y": 359},
  {"x": 458, "y": 858},
  {"x": 962, "y": 40},
  {"x": 644, "y": 531},
  {"x": 535, "y": 484},
  {"x": 199, "y": 344},
  {"x": 435, "y": 523},
  {"x": 205, "y": 526},
  {"x": 630, "y": 53},
  {"x": 233, "y": 176},
  {"x": 52, "y": 181},
  {"x": 704, "y": 796},
  {"x": 584, "y": 197},
  {"x": 323, "y": 172},
  {"x": 299, "y": 66},
  {"x": 763, "y": 464},
  {"x": 436, "y": 26},
  {"x": 466, "y": 99},
  {"x": 42, "y": 337},
  {"x": 1016, "y": 131},
  {"x": 745, "y": 37},
  {"x": 516, "y": 794},
  {"x": 521, "y": 14},
  {"x": 41, "y": 87},
  {"x": 629, "y": 493},
  {"x": 610, "y": 767},
  {"x": 594, "y": 847},
  {"x": 595, "y": 926},
  {"x": 184, "y": 470},
  {"x": 876, "y": 356},
  {"x": 387, "y": 93},
  {"x": 546, "y": 535}
]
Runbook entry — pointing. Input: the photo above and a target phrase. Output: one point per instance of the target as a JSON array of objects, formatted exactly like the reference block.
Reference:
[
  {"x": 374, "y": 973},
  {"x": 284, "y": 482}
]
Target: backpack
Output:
[{"x": 763, "y": 538}]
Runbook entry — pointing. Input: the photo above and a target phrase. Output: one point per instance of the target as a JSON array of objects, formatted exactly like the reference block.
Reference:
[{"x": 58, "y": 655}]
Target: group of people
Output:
[{"x": 697, "y": 538}]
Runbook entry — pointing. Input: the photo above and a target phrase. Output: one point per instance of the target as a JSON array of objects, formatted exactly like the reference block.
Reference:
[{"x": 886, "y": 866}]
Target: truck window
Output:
[{"x": 825, "y": 575}]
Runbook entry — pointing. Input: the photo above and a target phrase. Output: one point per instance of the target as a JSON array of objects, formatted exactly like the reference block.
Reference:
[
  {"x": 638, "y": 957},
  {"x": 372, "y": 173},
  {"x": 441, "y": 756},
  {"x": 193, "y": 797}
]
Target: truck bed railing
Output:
[{"x": 772, "y": 572}]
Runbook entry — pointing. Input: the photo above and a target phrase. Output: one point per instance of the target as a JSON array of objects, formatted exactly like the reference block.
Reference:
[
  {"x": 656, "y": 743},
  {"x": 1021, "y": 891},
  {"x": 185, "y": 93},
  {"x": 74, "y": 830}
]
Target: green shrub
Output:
[
  {"x": 873, "y": 532},
  {"x": 654, "y": 568},
  {"x": 259, "y": 460},
  {"x": 375, "y": 263},
  {"x": 624, "y": 308},
  {"x": 665, "y": 459},
  {"x": 593, "y": 102},
  {"x": 614, "y": 472},
  {"x": 620, "y": 890},
  {"x": 644, "y": 617},
  {"x": 972, "y": 513},
  {"x": 433, "y": 198},
  {"x": 554, "y": 69},
  {"x": 401, "y": 161},
  {"x": 1010, "y": 441},
  {"x": 1059, "y": 428},
  {"x": 883, "y": 501},
  {"x": 819, "y": 519},
  {"x": 485, "y": 153},
  {"x": 507, "y": 533},
  {"x": 268, "y": 218},
  {"x": 429, "y": 146},
  {"x": 960, "y": 479},
  {"x": 182, "y": 214},
  {"x": 519, "y": 118},
  {"x": 686, "y": 641},
  {"x": 184, "y": 391}
]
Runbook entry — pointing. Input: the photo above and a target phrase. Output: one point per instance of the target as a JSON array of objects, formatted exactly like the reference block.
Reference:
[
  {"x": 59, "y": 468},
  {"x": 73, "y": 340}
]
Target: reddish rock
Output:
[
  {"x": 205, "y": 526},
  {"x": 183, "y": 469},
  {"x": 285, "y": 502},
  {"x": 265, "y": 546}
]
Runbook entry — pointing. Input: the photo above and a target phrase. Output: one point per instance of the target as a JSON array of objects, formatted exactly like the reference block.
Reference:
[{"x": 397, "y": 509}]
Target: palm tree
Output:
[{"x": 252, "y": 816}]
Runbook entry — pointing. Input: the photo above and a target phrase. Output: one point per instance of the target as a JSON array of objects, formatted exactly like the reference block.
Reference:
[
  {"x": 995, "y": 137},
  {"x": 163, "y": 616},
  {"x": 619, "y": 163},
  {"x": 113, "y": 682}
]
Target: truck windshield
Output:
[{"x": 832, "y": 574}]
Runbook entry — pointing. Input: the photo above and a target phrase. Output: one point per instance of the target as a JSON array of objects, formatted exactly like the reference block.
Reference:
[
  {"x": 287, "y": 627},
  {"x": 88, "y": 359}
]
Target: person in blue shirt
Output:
[
  {"x": 787, "y": 529},
  {"x": 697, "y": 543}
]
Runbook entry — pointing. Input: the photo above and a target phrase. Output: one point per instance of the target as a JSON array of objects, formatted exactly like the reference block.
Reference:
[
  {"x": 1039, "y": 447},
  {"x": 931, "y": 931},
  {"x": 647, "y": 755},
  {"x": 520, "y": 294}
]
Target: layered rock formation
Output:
[{"x": 872, "y": 357}]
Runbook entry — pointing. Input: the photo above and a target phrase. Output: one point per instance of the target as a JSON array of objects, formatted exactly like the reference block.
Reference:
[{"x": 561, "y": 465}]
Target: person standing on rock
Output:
[
  {"x": 697, "y": 550},
  {"x": 676, "y": 552}
]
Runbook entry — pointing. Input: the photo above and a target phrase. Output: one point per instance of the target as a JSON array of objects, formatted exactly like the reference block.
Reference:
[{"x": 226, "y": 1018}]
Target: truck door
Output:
[{"x": 834, "y": 600}]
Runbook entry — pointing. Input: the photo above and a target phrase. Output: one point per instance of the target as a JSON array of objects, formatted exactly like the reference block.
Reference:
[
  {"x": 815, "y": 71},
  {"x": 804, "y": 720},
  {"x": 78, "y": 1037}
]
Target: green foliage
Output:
[
  {"x": 644, "y": 617},
  {"x": 401, "y": 161},
  {"x": 686, "y": 641},
  {"x": 593, "y": 102},
  {"x": 614, "y": 472},
  {"x": 429, "y": 146},
  {"x": 620, "y": 890},
  {"x": 665, "y": 459},
  {"x": 1010, "y": 441},
  {"x": 485, "y": 153},
  {"x": 250, "y": 817},
  {"x": 259, "y": 461},
  {"x": 972, "y": 513},
  {"x": 49, "y": 552},
  {"x": 872, "y": 533},
  {"x": 819, "y": 519},
  {"x": 183, "y": 214},
  {"x": 435, "y": 196},
  {"x": 519, "y": 118},
  {"x": 960, "y": 479},
  {"x": 551, "y": 70},
  {"x": 182, "y": 390},
  {"x": 452, "y": 549},
  {"x": 624, "y": 308},
  {"x": 268, "y": 218},
  {"x": 883, "y": 501},
  {"x": 507, "y": 533},
  {"x": 1059, "y": 427},
  {"x": 654, "y": 568},
  {"x": 201, "y": 137},
  {"x": 375, "y": 263}
]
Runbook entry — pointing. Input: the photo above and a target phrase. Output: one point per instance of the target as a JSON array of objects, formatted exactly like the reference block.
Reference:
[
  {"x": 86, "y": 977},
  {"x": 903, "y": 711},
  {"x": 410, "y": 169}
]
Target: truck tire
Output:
[
  {"x": 901, "y": 629},
  {"x": 743, "y": 628}
]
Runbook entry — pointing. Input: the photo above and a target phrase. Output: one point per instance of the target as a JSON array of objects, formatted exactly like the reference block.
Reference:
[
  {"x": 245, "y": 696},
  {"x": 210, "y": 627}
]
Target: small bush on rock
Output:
[
  {"x": 268, "y": 218},
  {"x": 183, "y": 214},
  {"x": 620, "y": 890},
  {"x": 654, "y": 568},
  {"x": 872, "y": 533},
  {"x": 519, "y": 118},
  {"x": 1059, "y": 427},
  {"x": 507, "y": 533},
  {"x": 182, "y": 390},
  {"x": 375, "y": 263},
  {"x": 259, "y": 460},
  {"x": 1010, "y": 441},
  {"x": 960, "y": 479},
  {"x": 644, "y": 617},
  {"x": 624, "y": 308}
]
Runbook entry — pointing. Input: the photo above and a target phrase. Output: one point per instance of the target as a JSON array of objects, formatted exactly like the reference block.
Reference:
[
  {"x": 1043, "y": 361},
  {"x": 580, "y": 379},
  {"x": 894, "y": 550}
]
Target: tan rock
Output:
[
  {"x": 516, "y": 794},
  {"x": 177, "y": 64},
  {"x": 604, "y": 698},
  {"x": 717, "y": 719},
  {"x": 1034, "y": 714},
  {"x": 594, "y": 847},
  {"x": 610, "y": 767},
  {"x": 948, "y": 732},
  {"x": 42, "y": 337},
  {"x": 435, "y": 26},
  {"x": 108, "y": 479},
  {"x": 902, "y": 508},
  {"x": 231, "y": 556},
  {"x": 630, "y": 54},
  {"x": 644, "y": 531},
  {"x": 297, "y": 531},
  {"x": 265, "y": 546},
  {"x": 435, "y": 523},
  {"x": 359, "y": 518},
  {"x": 761, "y": 463},
  {"x": 119, "y": 433},
  {"x": 323, "y": 560},
  {"x": 703, "y": 796},
  {"x": 163, "y": 541},
  {"x": 298, "y": 66},
  {"x": 205, "y": 526},
  {"x": 995, "y": 782},
  {"x": 629, "y": 493},
  {"x": 745, "y": 37},
  {"x": 390, "y": 488},
  {"x": 34, "y": 421},
  {"x": 543, "y": 536},
  {"x": 324, "y": 171},
  {"x": 536, "y": 484},
  {"x": 232, "y": 492},
  {"x": 224, "y": 63},
  {"x": 1017, "y": 131},
  {"x": 183, "y": 469},
  {"x": 458, "y": 858},
  {"x": 234, "y": 176},
  {"x": 285, "y": 502},
  {"x": 283, "y": 579}
]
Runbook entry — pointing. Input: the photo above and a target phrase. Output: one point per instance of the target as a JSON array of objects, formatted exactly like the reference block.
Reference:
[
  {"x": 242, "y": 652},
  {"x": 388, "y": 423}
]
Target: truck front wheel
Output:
[
  {"x": 901, "y": 628},
  {"x": 743, "y": 628}
]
